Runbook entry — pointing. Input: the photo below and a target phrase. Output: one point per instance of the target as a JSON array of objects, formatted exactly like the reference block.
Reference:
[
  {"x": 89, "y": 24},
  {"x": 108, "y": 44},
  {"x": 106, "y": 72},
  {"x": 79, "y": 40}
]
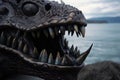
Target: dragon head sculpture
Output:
[{"x": 32, "y": 38}]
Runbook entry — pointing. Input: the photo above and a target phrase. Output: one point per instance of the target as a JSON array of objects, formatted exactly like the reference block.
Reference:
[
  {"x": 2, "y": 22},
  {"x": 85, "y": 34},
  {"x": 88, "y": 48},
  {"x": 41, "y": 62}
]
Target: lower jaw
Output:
[
  {"x": 26, "y": 65},
  {"x": 63, "y": 62},
  {"x": 69, "y": 57}
]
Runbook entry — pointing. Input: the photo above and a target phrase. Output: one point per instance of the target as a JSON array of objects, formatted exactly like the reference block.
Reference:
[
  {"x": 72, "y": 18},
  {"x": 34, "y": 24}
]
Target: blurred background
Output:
[{"x": 96, "y": 8}]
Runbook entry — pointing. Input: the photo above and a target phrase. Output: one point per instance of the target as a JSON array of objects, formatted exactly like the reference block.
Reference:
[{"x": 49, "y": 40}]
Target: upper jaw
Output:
[{"x": 73, "y": 17}]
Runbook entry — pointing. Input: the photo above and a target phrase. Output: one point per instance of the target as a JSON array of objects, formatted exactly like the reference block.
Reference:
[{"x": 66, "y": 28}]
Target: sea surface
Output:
[{"x": 106, "y": 40}]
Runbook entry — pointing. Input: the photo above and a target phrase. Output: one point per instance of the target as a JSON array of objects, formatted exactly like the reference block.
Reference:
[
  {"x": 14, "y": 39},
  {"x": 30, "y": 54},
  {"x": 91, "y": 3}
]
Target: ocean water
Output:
[{"x": 106, "y": 40}]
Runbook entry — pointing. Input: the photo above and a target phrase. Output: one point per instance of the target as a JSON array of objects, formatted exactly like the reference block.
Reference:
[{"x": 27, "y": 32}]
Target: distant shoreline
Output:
[
  {"x": 104, "y": 20},
  {"x": 96, "y": 21}
]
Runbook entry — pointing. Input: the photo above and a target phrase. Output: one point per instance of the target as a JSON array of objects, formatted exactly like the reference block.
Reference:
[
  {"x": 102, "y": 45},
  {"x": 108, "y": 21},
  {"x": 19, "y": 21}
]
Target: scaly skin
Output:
[{"x": 32, "y": 39}]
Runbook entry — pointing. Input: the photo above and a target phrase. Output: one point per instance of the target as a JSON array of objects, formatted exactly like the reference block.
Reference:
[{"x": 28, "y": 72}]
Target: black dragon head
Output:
[{"x": 32, "y": 37}]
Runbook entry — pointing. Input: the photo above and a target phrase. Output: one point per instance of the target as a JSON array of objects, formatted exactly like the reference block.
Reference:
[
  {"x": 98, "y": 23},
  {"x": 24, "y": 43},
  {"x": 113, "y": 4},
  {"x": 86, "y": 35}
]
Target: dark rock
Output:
[{"x": 100, "y": 71}]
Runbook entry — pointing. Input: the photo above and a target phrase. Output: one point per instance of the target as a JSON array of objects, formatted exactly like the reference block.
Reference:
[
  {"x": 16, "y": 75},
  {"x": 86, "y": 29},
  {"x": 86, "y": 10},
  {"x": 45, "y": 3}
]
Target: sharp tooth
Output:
[
  {"x": 65, "y": 40},
  {"x": 25, "y": 49},
  {"x": 45, "y": 33},
  {"x": 18, "y": 33},
  {"x": 20, "y": 46},
  {"x": 46, "y": 23},
  {"x": 62, "y": 30},
  {"x": 43, "y": 56},
  {"x": 25, "y": 33},
  {"x": 69, "y": 30},
  {"x": 63, "y": 62},
  {"x": 83, "y": 56},
  {"x": 72, "y": 30},
  {"x": 14, "y": 43},
  {"x": 56, "y": 30},
  {"x": 50, "y": 59},
  {"x": 35, "y": 52},
  {"x": 76, "y": 28},
  {"x": 76, "y": 49},
  {"x": 72, "y": 50},
  {"x": 2, "y": 38},
  {"x": 69, "y": 60},
  {"x": 40, "y": 25},
  {"x": 77, "y": 34},
  {"x": 58, "y": 59},
  {"x": 9, "y": 41},
  {"x": 54, "y": 21},
  {"x": 77, "y": 54},
  {"x": 69, "y": 19},
  {"x": 66, "y": 44},
  {"x": 33, "y": 34},
  {"x": 83, "y": 31},
  {"x": 62, "y": 21},
  {"x": 51, "y": 32},
  {"x": 71, "y": 14},
  {"x": 38, "y": 34}
]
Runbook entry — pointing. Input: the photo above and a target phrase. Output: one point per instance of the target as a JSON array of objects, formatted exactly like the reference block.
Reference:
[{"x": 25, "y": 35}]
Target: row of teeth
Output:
[
  {"x": 61, "y": 30},
  {"x": 12, "y": 42},
  {"x": 65, "y": 60},
  {"x": 44, "y": 56}
]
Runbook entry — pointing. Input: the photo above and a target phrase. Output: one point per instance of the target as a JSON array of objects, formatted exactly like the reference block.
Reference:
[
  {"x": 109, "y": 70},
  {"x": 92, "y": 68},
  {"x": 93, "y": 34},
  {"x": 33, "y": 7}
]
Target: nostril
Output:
[
  {"x": 78, "y": 12},
  {"x": 4, "y": 11},
  {"x": 47, "y": 7}
]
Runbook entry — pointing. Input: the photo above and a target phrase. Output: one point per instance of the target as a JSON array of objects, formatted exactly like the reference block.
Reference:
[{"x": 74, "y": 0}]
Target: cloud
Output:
[{"x": 96, "y": 8}]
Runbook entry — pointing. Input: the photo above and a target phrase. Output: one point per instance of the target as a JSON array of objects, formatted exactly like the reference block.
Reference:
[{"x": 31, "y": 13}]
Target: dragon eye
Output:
[
  {"x": 3, "y": 11},
  {"x": 30, "y": 9}
]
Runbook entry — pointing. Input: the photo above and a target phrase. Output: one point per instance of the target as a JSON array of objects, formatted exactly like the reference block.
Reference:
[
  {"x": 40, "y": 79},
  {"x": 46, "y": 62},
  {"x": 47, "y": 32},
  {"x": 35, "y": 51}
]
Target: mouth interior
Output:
[{"x": 46, "y": 45}]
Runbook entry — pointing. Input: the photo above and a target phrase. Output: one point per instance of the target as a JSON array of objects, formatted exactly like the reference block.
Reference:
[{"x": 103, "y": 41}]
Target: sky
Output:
[{"x": 96, "y": 8}]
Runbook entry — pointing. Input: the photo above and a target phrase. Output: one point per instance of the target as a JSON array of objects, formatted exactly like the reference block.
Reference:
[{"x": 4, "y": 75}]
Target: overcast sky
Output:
[{"x": 96, "y": 8}]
